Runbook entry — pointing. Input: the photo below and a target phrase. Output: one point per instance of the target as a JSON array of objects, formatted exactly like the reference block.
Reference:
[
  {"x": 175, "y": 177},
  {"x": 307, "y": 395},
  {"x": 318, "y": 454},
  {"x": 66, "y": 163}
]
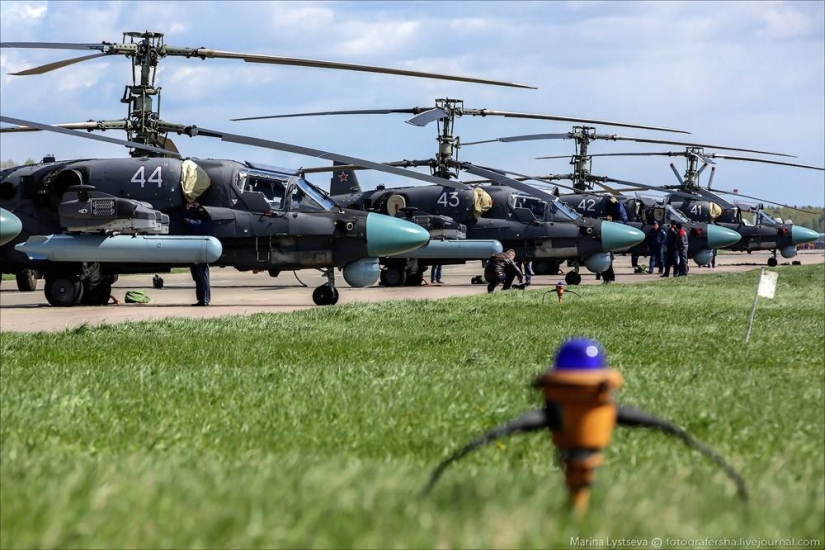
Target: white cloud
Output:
[
  {"x": 24, "y": 12},
  {"x": 788, "y": 23},
  {"x": 470, "y": 25},
  {"x": 368, "y": 38}
]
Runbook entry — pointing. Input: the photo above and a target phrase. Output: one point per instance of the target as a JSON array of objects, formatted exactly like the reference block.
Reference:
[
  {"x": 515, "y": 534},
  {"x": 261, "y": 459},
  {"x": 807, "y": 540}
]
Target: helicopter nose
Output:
[
  {"x": 617, "y": 236},
  {"x": 10, "y": 226},
  {"x": 800, "y": 235},
  {"x": 720, "y": 237},
  {"x": 387, "y": 236}
]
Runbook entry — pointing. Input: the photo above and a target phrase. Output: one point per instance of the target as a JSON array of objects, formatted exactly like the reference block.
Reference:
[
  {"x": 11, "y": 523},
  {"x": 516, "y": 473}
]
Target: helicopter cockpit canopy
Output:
[
  {"x": 284, "y": 189},
  {"x": 543, "y": 210},
  {"x": 763, "y": 218}
]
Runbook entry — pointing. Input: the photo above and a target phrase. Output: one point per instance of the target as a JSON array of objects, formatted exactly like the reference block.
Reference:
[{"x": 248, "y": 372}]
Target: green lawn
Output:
[{"x": 319, "y": 428}]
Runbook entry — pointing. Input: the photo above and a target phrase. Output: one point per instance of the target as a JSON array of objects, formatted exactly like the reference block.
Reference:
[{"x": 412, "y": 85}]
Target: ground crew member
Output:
[
  {"x": 671, "y": 257},
  {"x": 502, "y": 269},
  {"x": 197, "y": 220},
  {"x": 655, "y": 244},
  {"x": 682, "y": 250}
]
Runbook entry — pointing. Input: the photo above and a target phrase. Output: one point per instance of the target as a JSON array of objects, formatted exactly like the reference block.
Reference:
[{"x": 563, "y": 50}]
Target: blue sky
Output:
[{"x": 740, "y": 74}]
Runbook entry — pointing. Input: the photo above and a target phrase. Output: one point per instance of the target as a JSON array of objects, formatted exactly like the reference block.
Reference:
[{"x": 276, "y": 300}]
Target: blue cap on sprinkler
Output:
[{"x": 580, "y": 353}]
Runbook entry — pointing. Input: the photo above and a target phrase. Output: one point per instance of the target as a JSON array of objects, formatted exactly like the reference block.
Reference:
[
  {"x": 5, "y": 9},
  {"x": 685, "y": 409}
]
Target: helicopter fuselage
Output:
[{"x": 257, "y": 218}]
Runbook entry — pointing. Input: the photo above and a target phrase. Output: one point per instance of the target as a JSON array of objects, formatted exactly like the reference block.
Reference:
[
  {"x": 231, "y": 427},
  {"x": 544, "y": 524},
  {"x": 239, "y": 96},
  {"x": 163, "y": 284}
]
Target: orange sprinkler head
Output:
[
  {"x": 560, "y": 290},
  {"x": 580, "y": 387}
]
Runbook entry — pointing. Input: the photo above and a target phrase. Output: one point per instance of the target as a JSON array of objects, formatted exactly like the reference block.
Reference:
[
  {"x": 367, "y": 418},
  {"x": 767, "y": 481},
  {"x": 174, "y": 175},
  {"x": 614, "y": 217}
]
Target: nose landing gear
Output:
[{"x": 326, "y": 294}]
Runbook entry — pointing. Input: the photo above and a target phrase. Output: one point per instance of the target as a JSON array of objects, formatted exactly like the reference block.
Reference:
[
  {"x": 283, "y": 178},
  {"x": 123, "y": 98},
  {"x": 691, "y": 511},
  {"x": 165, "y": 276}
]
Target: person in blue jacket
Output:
[{"x": 656, "y": 245}]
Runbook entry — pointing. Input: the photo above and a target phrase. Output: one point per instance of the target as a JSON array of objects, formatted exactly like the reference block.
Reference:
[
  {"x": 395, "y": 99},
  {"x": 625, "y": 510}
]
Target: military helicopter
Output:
[
  {"x": 532, "y": 222},
  {"x": 705, "y": 204},
  {"x": 642, "y": 211},
  {"x": 82, "y": 222}
]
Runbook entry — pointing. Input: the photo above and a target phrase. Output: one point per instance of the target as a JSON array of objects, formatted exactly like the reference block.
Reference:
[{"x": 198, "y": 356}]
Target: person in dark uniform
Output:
[
  {"x": 526, "y": 267},
  {"x": 671, "y": 257},
  {"x": 682, "y": 250},
  {"x": 655, "y": 244},
  {"x": 197, "y": 220},
  {"x": 502, "y": 269}
]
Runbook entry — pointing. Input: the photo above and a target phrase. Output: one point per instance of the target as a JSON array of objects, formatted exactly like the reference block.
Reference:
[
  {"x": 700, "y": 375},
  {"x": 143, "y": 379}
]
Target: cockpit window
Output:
[
  {"x": 302, "y": 195},
  {"x": 537, "y": 206},
  {"x": 763, "y": 218},
  {"x": 315, "y": 198},
  {"x": 562, "y": 212},
  {"x": 543, "y": 210}
]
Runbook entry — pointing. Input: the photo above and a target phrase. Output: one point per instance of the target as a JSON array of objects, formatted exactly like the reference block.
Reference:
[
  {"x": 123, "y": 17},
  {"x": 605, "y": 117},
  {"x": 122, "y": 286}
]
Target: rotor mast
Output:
[{"x": 448, "y": 144}]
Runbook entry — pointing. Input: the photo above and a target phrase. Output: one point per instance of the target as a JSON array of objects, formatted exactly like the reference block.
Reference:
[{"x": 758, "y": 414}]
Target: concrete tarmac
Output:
[{"x": 241, "y": 293}]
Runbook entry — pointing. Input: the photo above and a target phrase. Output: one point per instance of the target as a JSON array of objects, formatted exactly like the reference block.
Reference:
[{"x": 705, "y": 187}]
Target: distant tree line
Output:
[
  {"x": 9, "y": 163},
  {"x": 815, "y": 221}
]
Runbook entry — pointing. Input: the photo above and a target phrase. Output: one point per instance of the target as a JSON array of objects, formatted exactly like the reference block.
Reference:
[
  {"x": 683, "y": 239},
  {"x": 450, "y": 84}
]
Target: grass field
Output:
[{"x": 319, "y": 428}]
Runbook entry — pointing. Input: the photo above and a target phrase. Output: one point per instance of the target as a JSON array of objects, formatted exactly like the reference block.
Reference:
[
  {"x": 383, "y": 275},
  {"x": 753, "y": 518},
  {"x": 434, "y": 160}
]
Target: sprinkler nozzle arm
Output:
[
  {"x": 636, "y": 418},
  {"x": 527, "y": 422}
]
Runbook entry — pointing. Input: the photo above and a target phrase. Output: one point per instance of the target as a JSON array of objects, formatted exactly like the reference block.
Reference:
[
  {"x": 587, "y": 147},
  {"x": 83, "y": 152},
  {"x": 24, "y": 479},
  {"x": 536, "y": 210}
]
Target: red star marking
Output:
[{"x": 343, "y": 176}]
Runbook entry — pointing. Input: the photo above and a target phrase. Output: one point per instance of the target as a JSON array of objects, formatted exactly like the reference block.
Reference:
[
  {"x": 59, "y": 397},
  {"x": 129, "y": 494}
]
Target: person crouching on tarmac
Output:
[{"x": 502, "y": 269}]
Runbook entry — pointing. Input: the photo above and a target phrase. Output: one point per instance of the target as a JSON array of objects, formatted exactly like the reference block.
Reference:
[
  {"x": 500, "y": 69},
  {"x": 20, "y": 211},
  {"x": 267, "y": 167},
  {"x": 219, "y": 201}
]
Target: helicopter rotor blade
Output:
[
  {"x": 414, "y": 110},
  {"x": 686, "y": 144},
  {"x": 706, "y": 158},
  {"x": 762, "y": 200},
  {"x": 280, "y": 60},
  {"x": 86, "y": 135},
  {"x": 318, "y": 153},
  {"x": 336, "y": 167},
  {"x": 541, "y": 180},
  {"x": 732, "y": 157},
  {"x": 501, "y": 179},
  {"x": 130, "y": 50},
  {"x": 706, "y": 193},
  {"x": 426, "y": 117},
  {"x": 55, "y": 45},
  {"x": 644, "y": 186},
  {"x": 676, "y": 173},
  {"x": 509, "y": 114},
  {"x": 89, "y": 125},
  {"x": 614, "y": 137},
  {"x": 530, "y": 137},
  {"x": 57, "y": 65}
]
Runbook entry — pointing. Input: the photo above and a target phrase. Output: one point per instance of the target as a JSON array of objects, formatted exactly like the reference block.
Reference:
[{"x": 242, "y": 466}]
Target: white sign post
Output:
[{"x": 767, "y": 289}]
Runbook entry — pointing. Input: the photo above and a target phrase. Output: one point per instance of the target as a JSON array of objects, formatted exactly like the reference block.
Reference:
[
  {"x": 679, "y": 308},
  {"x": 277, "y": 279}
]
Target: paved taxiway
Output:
[{"x": 236, "y": 293}]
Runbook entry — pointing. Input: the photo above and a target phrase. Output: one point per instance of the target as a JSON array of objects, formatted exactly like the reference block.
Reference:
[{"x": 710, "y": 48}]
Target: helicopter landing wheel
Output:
[
  {"x": 393, "y": 276},
  {"x": 325, "y": 295},
  {"x": 63, "y": 289},
  {"x": 335, "y": 296},
  {"x": 572, "y": 278},
  {"x": 772, "y": 262},
  {"x": 26, "y": 280}
]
